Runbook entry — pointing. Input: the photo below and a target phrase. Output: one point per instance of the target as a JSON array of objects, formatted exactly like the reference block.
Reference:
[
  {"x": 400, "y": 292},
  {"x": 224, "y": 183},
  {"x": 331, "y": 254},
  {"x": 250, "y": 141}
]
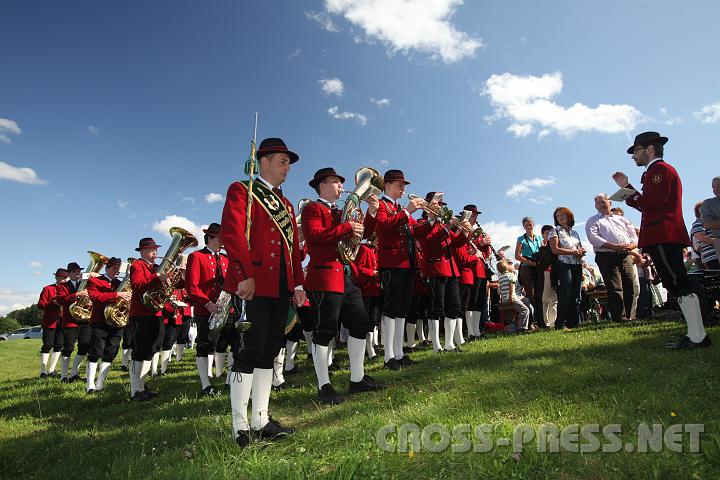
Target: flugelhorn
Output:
[
  {"x": 441, "y": 212},
  {"x": 81, "y": 309},
  {"x": 156, "y": 298},
  {"x": 368, "y": 182},
  {"x": 118, "y": 313}
]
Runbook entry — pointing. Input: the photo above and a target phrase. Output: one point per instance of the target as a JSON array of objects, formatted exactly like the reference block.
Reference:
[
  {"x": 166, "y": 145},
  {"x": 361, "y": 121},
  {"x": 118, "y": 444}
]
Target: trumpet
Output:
[{"x": 443, "y": 213}]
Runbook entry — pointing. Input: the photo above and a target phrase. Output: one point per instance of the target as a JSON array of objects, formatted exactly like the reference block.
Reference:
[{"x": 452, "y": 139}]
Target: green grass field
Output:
[{"x": 600, "y": 374}]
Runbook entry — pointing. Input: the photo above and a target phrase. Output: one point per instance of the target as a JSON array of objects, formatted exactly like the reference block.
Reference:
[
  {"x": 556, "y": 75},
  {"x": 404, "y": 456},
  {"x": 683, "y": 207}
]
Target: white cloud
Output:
[
  {"x": 540, "y": 200},
  {"x": 294, "y": 54},
  {"x": 503, "y": 234},
  {"x": 337, "y": 114},
  {"x": 20, "y": 174},
  {"x": 35, "y": 264},
  {"x": 12, "y": 300},
  {"x": 405, "y": 26},
  {"x": 188, "y": 199},
  {"x": 8, "y": 127},
  {"x": 709, "y": 113},
  {"x": 122, "y": 204},
  {"x": 332, "y": 86},
  {"x": 384, "y": 163},
  {"x": 93, "y": 130},
  {"x": 528, "y": 186},
  {"x": 163, "y": 226},
  {"x": 527, "y": 102},
  {"x": 409, "y": 130},
  {"x": 323, "y": 19},
  {"x": 380, "y": 102},
  {"x": 213, "y": 197}
]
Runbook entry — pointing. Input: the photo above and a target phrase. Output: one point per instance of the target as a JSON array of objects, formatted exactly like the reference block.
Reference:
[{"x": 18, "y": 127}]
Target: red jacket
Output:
[
  {"x": 66, "y": 295},
  {"x": 466, "y": 263},
  {"x": 367, "y": 265},
  {"x": 392, "y": 224},
  {"x": 52, "y": 313},
  {"x": 200, "y": 281},
  {"x": 102, "y": 292},
  {"x": 322, "y": 233},
  {"x": 261, "y": 260},
  {"x": 439, "y": 262},
  {"x": 480, "y": 271},
  {"x": 142, "y": 279},
  {"x": 661, "y": 205},
  {"x": 172, "y": 311}
]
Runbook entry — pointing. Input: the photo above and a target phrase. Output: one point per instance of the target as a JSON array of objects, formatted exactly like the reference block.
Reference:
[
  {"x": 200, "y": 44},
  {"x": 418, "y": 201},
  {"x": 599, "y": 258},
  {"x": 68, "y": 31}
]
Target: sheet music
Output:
[{"x": 623, "y": 194}]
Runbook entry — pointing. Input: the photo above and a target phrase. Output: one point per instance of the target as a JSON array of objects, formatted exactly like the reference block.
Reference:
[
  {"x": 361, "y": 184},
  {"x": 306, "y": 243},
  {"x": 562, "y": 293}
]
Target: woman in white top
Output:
[{"x": 565, "y": 243}]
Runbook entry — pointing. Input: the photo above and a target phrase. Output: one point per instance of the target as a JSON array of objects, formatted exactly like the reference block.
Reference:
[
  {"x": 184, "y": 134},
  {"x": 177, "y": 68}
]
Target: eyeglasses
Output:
[{"x": 638, "y": 148}]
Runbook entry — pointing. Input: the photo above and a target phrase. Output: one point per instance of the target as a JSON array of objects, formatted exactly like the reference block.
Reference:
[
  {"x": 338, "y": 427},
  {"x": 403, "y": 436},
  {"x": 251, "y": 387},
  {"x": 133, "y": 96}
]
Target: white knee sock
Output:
[
  {"x": 44, "y": 357},
  {"x": 420, "y": 330},
  {"x": 125, "y": 356},
  {"x": 76, "y": 364},
  {"x": 261, "y": 386},
  {"x": 144, "y": 370},
  {"x": 179, "y": 352},
  {"x": 398, "y": 338},
  {"x": 54, "y": 356},
  {"x": 434, "y": 332},
  {"x": 91, "y": 371},
  {"x": 320, "y": 361},
  {"x": 369, "y": 345},
  {"x": 410, "y": 334},
  {"x": 308, "y": 340},
  {"x": 376, "y": 336},
  {"x": 165, "y": 360},
  {"x": 469, "y": 323},
  {"x": 202, "y": 367},
  {"x": 64, "y": 366},
  {"x": 449, "y": 333},
  {"x": 135, "y": 368},
  {"x": 690, "y": 306},
  {"x": 388, "y": 335},
  {"x": 290, "y": 352},
  {"x": 356, "y": 352},
  {"x": 476, "y": 322},
  {"x": 458, "y": 336},
  {"x": 278, "y": 378},
  {"x": 240, "y": 388},
  {"x": 219, "y": 364},
  {"x": 103, "y": 368},
  {"x": 211, "y": 361},
  {"x": 331, "y": 352},
  {"x": 154, "y": 363}
]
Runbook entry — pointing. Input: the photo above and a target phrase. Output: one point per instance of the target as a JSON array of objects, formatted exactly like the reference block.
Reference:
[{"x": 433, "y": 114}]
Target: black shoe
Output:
[
  {"x": 409, "y": 349},
  {"x": 292, "y": 371},
  {"x": 282, "y": 386},
  {"x": 406, "y": 361},
  {"x": 74, "y": 378},
  {"x": 227, "y": 387},
  {"x": 426, "y": 344},
  {"x": 64, "y": 380},
  {"x": 329, "y": 396},
  {"x": 689, "y": 344},
  {"x": 621, "y": 320},
  {"x": 53, "y": 374},
  {"x": 373, "y": 358},
  {"x": 91, "y": 391},
  {"x": 367, "y": 384},
  {"x": 243, "y": 438},
  {"x": 125, "y": 368},
  {"x": 143, "y": 396},
  {"x": 43, "y": 375},
  {"x": 392, "y": 364},
  {"x": 150, "y": 393},
  {"x": 334, "y": 367},
  {"x": 209, "y": 391},
  {"x": 274, "y": 431}
]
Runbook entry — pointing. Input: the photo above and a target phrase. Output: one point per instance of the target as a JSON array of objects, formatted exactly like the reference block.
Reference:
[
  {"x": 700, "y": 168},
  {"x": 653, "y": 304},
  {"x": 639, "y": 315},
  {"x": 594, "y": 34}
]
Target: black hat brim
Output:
[
  {"x": 294, "y": 157},
  {"x": 662, "y": 140},
  {"x": 316, "y": 181}
]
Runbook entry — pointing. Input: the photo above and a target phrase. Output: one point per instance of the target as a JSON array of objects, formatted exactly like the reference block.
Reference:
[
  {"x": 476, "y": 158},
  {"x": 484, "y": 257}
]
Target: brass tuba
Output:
[
  {"x": 81, "y": 309},
  {"x": 156, "y": 298},
  {"x": 118, "y": 313},
  {"x": 368, "y": 181}
]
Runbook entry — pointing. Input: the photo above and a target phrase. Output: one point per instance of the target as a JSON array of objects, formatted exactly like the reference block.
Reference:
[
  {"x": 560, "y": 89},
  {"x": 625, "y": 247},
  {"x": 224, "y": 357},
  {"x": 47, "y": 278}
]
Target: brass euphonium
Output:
[
  {"x": 156, "y": 298},
  {"x": 368, "y": 182},
  {"x": 118, "y": 313},
  {"x": 81, "y": 309}
]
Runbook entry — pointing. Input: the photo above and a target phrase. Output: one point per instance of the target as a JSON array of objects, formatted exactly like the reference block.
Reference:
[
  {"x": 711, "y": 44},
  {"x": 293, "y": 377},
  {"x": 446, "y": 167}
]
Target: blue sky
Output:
[{"x": 129, "y": 114}]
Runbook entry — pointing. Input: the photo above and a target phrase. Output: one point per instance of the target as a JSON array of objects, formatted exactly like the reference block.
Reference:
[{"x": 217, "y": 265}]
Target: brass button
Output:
[
  {"x": 272, "y": 254},
  {"x": 271, "y": 267},
  {"x": 272, "y": 242},
  {"x": 272, "y": 229}
]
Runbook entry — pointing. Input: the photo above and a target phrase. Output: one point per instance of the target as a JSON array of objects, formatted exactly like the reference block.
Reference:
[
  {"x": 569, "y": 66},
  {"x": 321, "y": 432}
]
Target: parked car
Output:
[
  {"x": 17, "y": 334},
  {"x": 35, "y": 332},
  {"x": 3, "y": 336}
]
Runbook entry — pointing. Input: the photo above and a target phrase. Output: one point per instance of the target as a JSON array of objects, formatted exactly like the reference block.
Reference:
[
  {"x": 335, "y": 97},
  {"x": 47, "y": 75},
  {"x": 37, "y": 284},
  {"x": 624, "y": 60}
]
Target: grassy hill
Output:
[{"x": 601, "y": 374}]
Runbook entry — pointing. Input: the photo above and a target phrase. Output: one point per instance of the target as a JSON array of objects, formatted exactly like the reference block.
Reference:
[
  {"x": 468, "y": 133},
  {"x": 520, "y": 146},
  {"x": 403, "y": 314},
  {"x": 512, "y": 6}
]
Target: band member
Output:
[
  {"x": 145, "y": 323},
  {"x": 330, "y": 287},
  {"x": 51, "y": 324},
  {"x": 264, "y": 271},
  {"x": 72, "y": 330},
  {"x": 303, "y": 327},
  {"x": 172, "y": 319},
  {"x": 478, "y": 309},
  {"x": 663, "y": 234},
  {"x": 205, "y": 275},
  {"x": 183, "y": 330},
  {"x": 105, "y": 339},
  {"x": 395, "y": 228},
  {"x": 126, "y": 348},
  {"x": 368, "y": 279},
  {"x": 443, "y": 272}
]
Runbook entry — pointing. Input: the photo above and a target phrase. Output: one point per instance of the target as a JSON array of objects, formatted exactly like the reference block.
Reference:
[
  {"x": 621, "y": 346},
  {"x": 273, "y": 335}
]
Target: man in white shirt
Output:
[{"x": 613, "y": 237}]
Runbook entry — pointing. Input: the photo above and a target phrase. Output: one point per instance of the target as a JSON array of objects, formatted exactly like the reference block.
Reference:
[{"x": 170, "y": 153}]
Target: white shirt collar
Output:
[
  {"x": 651, "y": 162},
  {"x": 327, "y": 202},
  {"x": 385, "y": 195},
  {"x": 267, "y": 184}
]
